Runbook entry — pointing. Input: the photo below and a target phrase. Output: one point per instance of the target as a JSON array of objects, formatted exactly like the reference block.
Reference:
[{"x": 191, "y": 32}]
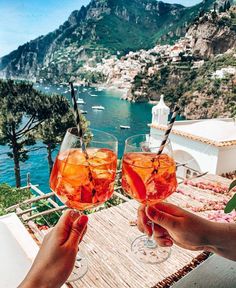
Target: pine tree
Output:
[
  {"x": 221, "y": 9},
  {"x": 22, "y": 109},
  {"x": 228, "y": 5},
  {"x": 225, "y": 6}
]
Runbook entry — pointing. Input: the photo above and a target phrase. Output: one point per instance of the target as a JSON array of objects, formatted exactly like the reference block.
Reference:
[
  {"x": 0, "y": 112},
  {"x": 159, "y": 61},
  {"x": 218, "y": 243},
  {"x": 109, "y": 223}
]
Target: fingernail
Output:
[
  {"x": 83, "y": 220},
  {"x": 168, "y": 243},
  {"x": 74, "y": 214},
  {"x": 151, "y": 212}
]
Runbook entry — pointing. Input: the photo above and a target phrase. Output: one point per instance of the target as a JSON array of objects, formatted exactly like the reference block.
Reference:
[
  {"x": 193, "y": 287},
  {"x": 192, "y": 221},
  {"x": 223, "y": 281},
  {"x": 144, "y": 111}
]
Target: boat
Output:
[
  {"x": 93, "y": 95},
  {"x": 124, "y": 127},
  {"x": 80, "y": 101},
  {"x": 98, "y": 107},
  {"x": 83, "y": 112}
]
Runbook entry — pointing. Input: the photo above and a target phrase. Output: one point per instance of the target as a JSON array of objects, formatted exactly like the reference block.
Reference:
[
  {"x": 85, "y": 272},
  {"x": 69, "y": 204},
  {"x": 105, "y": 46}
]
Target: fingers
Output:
[
  {"x": 159, "y": 231},
  {"x": 143, "y": 221},
  {"x": 161, "y": 236},
  {"x": 64, "y": 225},
  {"x": 78, "y": 230},
  {"x": 163, "y": 242},
  {"x": 163, "y": 219},
  {"x": 170, "y": 209}
]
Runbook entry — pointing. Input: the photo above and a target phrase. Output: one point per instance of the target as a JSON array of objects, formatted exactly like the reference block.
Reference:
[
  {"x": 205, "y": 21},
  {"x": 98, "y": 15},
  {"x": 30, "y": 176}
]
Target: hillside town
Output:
[{"x": 120, "y": 72}]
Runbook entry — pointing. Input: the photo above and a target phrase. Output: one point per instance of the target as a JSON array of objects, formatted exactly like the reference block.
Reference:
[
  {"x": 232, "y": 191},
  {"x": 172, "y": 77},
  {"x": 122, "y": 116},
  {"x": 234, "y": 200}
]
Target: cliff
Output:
[{"x": 103, "y": 28}]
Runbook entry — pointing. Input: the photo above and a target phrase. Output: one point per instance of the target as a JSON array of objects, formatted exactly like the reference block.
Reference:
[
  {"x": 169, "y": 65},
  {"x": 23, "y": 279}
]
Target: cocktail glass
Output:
[
  {"x": 83, "y": 181},
  {"x": 148, "y": 178}
]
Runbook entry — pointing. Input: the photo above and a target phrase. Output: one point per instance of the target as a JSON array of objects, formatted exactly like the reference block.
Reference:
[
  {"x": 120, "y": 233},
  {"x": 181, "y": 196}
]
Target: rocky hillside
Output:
[
  {"x": 212, "y": 92},
  {"x": 199, "y": 72},
  {"x": 213, "y": 33},
  {"x": 94, "y": 32}
]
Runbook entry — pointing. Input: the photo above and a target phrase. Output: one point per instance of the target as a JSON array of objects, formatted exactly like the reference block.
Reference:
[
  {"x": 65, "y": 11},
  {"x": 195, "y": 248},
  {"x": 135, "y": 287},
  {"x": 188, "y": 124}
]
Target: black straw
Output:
[{"x": 78, "y": 119}]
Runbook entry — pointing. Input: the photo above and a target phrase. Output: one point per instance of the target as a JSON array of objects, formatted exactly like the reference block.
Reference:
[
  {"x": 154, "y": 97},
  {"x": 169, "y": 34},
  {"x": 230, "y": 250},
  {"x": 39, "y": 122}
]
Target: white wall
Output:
[
  {"x": 226, "y": 160},
  {"x": 202, "y": 154}
]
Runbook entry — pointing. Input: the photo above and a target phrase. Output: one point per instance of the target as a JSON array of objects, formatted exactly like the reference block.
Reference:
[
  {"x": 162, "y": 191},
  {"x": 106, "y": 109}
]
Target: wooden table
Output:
[{"x": 109, "y": 237}]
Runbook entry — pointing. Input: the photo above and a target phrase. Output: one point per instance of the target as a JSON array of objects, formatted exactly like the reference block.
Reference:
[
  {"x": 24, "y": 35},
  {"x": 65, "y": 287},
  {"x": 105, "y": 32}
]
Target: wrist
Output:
[
  {"x": 220, "y": 236},
  {"x": 32, "y": 281}
]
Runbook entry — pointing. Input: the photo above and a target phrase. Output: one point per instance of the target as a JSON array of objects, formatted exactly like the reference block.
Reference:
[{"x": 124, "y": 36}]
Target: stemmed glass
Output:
[
  {"x": 148, "y": 178},
  {"x": 84, "y": 181}
]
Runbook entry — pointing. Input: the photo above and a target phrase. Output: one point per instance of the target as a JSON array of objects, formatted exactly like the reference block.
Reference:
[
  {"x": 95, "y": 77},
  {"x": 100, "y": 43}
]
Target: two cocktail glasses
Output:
[{"x": 86, "y": 180}]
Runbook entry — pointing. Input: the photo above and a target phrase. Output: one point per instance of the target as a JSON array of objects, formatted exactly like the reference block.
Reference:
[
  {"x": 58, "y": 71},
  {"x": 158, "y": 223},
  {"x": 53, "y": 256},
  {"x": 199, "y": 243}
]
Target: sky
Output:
[{"x": 25, "y": 20}]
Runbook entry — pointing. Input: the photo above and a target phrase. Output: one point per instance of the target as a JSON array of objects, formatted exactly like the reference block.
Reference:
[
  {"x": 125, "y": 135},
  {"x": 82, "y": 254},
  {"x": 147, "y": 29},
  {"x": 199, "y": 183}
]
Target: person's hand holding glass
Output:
[
  {"x": 85, "y": 180},
  {"x": 148, "y": 178}
]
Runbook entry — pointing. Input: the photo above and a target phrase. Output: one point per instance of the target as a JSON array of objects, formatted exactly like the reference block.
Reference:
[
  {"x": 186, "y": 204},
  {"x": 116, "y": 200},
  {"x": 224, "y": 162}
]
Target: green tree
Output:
[
  {"x": 221, "y": 9},
  {"x": 228, "y": 5},
  {"x": 215, "y": 7},
  {"x": 23, "y": 109},
  {"x": 214, "y": 15},
  {"x": 225, "y": 6},
  {"x": 10, "y": 196}
]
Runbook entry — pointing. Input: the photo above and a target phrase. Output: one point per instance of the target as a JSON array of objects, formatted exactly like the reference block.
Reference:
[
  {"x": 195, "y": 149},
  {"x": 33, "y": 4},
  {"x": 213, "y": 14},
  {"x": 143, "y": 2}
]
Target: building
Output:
[{"x": 203, "y": 145}]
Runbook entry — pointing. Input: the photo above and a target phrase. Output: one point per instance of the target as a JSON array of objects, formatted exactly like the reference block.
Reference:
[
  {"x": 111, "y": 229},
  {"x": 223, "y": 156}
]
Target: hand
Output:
[
  {"x": 175, "y": 225},
  {"x": 56, "y": 257}
]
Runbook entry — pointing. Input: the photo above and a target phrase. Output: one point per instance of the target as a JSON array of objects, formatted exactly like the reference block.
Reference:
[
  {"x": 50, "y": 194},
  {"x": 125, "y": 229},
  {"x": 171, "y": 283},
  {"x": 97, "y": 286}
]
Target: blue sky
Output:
[{"x": 24, "y": 20}]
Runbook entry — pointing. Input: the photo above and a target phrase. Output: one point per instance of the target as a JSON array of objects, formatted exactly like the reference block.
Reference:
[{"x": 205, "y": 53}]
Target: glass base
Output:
[
  {"x": 80, "y": 268},
  {"x": 147, "y": 251}
]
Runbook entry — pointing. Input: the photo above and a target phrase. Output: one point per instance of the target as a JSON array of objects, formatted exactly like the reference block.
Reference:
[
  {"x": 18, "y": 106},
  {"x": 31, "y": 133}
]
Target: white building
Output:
[{"x": 204, "y": 145}]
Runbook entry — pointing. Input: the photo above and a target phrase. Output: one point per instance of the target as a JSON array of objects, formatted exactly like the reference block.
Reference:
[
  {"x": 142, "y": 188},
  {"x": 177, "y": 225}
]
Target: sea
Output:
[{"x": 117, "y": 112}]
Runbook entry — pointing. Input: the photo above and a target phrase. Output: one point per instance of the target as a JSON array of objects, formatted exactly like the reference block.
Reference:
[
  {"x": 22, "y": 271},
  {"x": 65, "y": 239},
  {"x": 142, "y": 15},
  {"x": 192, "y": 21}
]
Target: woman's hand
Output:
[
  {"x": 175, "y": 225},
  {"x": 56, "y": 257}
]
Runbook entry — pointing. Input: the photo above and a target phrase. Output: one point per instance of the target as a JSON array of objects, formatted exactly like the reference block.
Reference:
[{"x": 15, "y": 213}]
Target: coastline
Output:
[{"x": 108, "y": 87}]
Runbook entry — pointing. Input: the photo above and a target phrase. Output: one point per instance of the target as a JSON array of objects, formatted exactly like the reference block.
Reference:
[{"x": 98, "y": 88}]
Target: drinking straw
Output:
[
  {"x": 78, "y": 119},
  {"x": 170, "y": 126}
]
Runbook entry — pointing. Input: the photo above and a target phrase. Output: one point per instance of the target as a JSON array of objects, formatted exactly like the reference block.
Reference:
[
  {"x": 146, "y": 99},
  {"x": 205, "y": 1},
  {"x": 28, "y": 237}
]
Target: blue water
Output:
[{"x": 117, "y": 112}]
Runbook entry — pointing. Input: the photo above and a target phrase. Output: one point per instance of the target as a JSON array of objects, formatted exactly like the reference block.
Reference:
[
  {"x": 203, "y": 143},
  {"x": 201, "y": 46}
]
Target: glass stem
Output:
[{"x": 151, "y": 243}]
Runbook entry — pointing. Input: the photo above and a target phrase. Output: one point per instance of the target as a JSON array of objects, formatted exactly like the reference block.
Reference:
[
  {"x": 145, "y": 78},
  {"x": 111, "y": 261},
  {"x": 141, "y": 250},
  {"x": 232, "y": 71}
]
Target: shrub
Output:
[{"x": 10, "y": 196}]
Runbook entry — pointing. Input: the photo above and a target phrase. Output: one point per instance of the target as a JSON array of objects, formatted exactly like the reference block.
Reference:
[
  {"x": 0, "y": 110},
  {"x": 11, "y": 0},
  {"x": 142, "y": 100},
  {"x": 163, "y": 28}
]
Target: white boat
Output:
[
  {"x": 124, "y": 127},
  {"x": 80, "y": 101},
  {"x": 98, "y": 107},
  {"x": 93, "y": 95}
]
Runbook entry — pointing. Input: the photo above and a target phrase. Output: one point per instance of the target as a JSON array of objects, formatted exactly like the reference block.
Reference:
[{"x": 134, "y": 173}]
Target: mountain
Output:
[
  {"x": 198, "y": 71},
  {"x": 103, "y": 28}
]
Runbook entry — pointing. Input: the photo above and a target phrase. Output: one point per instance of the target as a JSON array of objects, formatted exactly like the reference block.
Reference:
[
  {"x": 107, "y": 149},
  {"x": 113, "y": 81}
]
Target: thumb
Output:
[
  {"x": 77, "y": 230},
  {"x": 161, "y": 218}
]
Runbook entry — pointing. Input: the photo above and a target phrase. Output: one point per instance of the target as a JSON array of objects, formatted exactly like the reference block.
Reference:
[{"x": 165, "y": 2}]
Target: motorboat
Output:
[
  {"x": 80, "y": 101},
  {"x": 124, "y": 127},
  {"x": 93, "y": 95},
  {"x": 98, "y": 107}
]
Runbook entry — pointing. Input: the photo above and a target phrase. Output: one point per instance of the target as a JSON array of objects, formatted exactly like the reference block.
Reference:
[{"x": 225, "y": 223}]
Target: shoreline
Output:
[{"x": 108, "y": 87}]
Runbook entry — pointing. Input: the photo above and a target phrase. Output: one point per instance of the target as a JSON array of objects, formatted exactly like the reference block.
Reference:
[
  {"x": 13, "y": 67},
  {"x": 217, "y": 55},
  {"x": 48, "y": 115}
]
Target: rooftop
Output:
[{"x": 217, "y": 132}]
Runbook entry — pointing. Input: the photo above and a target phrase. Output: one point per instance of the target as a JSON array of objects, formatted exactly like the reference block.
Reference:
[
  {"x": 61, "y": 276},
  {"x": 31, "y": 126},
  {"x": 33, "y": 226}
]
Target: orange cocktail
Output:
[
  {"x": 82, "y": 183},
  {"x": 148, "y": 178}
]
